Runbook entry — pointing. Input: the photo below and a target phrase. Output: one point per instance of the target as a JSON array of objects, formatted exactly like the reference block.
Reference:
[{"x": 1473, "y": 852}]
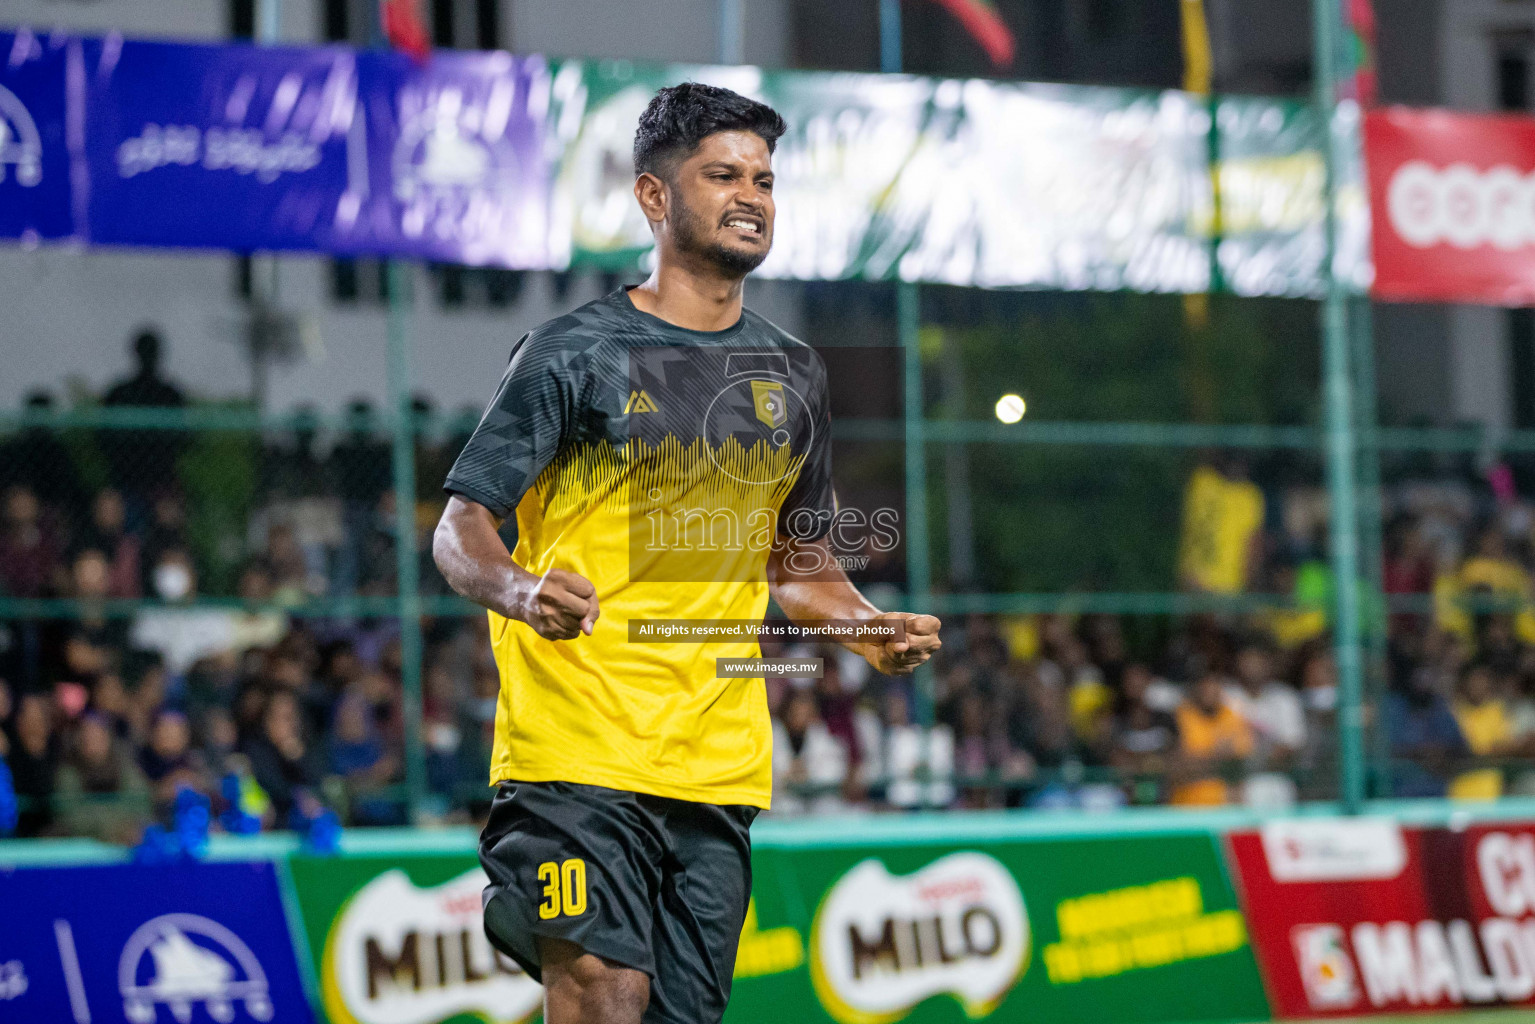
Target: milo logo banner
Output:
[
  {"x": 399, "y": 940},
  {"x": 1094, "y": 931},
  {"x": 1112, "y": 930},
  {"x": 1365, "y": 916},
  {"x": 883, "y": 944}
]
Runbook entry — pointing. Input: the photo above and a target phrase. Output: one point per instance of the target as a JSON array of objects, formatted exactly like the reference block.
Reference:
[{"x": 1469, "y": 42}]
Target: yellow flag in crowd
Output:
[
  {"x": 1198, "y": 67},
  {"x": 1220, "y": 519},
  {"x": 1198, "y": 73}
]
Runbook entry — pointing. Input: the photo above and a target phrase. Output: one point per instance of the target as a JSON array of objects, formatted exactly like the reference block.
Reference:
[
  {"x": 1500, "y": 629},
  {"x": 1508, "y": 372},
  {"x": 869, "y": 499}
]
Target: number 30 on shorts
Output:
[{"x": 564, "y": 889}]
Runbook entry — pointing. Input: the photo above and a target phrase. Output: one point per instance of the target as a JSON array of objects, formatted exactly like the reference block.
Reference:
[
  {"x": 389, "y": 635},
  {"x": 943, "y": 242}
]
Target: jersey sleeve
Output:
[
  {"x": 527, "y": 421},
  {"x": 811, "y": 506}
]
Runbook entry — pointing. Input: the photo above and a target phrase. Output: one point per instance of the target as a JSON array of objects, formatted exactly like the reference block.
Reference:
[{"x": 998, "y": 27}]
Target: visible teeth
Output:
[{"x": 748, "y": 225}]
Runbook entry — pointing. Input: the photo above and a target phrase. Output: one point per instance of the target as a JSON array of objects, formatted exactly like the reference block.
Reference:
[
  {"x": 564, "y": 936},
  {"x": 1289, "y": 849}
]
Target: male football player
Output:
[{"x": 665, "y": 454}]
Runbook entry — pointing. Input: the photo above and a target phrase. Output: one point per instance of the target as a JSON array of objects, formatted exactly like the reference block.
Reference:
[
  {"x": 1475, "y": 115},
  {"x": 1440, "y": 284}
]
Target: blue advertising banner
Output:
[
  {"x": 234, "y": 146},
  {"x": 147, "y": 944},
  {"x": 493, "y": 159},
  {"x": 244, "y": 147},
  {"x": 35, "y": 193},
  {"x": 456, "y": 164}
]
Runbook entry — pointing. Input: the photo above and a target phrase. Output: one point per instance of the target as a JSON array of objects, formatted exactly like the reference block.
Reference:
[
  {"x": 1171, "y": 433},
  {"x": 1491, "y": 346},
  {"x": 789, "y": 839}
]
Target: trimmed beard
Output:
[{"x": 689, "y": 232}]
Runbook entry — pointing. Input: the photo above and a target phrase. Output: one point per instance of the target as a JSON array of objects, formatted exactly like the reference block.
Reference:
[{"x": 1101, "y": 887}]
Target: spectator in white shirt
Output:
[
  {"x": 810, "y": 765},
  {"x": 1273, "y": 711},
  {"x": 912, "y": 765},
  {"x": 181, "y": 635}
]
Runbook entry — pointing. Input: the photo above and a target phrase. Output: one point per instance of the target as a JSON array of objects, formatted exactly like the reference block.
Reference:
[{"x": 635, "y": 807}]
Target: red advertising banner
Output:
[
  {"x": 1361, "y": 916},
  {"x": 1452, "y": 201}
]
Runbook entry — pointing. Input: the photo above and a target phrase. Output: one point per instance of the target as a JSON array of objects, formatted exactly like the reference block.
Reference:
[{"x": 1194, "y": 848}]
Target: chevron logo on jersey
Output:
[{"x": 640, "y": 401}]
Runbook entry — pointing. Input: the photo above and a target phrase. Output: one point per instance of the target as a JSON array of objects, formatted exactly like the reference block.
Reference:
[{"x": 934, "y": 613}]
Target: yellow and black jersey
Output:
[{"x": 660, "y": 463}]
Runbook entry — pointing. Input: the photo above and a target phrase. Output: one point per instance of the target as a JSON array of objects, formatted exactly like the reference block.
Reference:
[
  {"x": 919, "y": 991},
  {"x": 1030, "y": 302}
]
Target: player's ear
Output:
[{"x": 650, "y": 191}]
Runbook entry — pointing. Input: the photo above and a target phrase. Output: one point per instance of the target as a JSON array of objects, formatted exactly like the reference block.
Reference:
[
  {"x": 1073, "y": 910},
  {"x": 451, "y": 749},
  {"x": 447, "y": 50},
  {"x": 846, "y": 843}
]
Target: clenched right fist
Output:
[{"x": 563, "y": 605}]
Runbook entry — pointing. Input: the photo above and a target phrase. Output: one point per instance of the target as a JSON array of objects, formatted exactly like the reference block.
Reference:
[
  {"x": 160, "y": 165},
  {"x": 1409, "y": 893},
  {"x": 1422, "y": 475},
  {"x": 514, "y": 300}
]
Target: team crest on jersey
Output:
[
  {"x": 640, "y": 401},
  {"x": 767, "y": 396}
]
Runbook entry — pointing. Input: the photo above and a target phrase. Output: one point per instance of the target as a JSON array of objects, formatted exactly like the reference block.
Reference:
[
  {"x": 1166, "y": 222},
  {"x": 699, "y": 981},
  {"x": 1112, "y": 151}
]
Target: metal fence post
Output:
[
  {"x": 908, "y": 315},
  {"x": 918, "y": 570},
  {"x": 268, "y": 20},
  {"x": 406, "y": 565},
  {"x": 1371, "y": 545},
  {"x": 1339, "y": 400},
  {"x": 732, "y": 31},
  {"x": 890, "y": 36}
]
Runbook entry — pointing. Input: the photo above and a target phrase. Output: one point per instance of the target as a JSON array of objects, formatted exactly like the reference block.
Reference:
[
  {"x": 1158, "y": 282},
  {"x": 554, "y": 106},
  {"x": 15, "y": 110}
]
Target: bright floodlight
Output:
[{"x": 1010, "y": 408}]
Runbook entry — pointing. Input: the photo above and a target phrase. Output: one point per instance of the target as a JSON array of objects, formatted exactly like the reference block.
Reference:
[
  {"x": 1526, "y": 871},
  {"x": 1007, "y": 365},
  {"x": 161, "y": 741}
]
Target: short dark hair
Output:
[{"x": 679, "y": 117}]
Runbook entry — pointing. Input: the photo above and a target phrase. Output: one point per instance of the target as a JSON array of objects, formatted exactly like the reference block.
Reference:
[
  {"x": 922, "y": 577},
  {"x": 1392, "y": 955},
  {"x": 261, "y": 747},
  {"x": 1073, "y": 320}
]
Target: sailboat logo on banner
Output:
[
  {"x": 183, "y": 960},
  {"x": 21, "y": 147}
]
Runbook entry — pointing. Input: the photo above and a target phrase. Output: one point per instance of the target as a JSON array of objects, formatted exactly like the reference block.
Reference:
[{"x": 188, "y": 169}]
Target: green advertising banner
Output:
[
  {"x": 399, "y": 939},
  {"x": 1116, "y": 930},
  {"x": 1121, "y": 930},
  {"x": 1271, "y": 175},
  {"x": 993, "y": 184}
]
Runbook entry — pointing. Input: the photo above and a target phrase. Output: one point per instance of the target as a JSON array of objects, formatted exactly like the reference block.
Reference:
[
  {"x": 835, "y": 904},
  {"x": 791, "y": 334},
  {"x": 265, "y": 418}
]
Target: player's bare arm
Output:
[
  {"x": 827, "y": 593},
  {"x": 559, "y": 605}
]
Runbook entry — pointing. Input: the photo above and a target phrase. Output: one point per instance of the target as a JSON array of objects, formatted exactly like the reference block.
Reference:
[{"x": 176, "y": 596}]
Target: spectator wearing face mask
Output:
[
  {"x": 181, "y": 634},
  {"x": 166, "y": 532},
  {"x": 1316, "y": 679}
]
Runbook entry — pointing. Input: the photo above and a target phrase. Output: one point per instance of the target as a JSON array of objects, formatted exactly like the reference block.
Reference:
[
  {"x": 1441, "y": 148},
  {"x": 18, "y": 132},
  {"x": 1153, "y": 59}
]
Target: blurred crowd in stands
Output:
[{"x": 104, "y": 716}]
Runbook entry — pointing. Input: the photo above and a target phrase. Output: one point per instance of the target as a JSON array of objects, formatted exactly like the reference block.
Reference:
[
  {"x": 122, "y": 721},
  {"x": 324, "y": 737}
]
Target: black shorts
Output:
[{"x": 651, "y": 883}]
